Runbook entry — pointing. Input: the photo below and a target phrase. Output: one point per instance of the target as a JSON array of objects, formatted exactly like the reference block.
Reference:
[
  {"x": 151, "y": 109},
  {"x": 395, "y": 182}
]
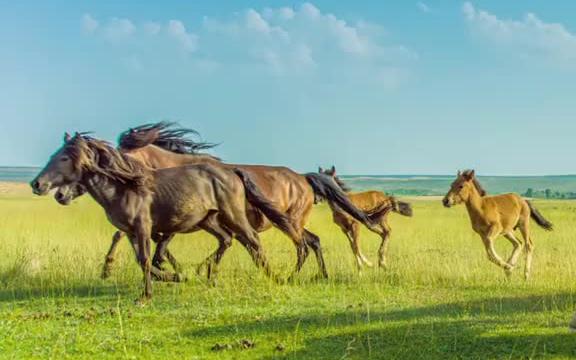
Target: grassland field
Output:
[{"x": 440, "y": 299}]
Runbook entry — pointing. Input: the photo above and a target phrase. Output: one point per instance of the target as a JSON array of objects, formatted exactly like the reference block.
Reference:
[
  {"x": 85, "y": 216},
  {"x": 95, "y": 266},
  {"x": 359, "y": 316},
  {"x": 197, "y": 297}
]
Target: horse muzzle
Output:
[
  {"x": 446, "y": 202},
  {"x": 39, "y": 188},
  {"x": 62, "y": 199}
]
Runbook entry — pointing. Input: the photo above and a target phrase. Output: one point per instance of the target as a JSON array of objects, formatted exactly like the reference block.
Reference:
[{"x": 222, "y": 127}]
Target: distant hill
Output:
[
  {"x": 563, "y": 187},
  {"x": 541, "y": 186}
]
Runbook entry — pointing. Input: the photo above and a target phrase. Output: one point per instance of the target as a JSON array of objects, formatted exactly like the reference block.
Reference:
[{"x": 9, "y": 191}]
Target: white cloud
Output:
[
  {"x": 423, "y": 7},
  {"x": 89, "y": 24},
  {"x": 288, "y": 39},
  {"x": 119, "y": 29},
  {"x": 152, "y": 28},
  {"x": 285, "y": 41},
  {"x": 177, "y": 30},
  {"x": 529, "y": 36}
]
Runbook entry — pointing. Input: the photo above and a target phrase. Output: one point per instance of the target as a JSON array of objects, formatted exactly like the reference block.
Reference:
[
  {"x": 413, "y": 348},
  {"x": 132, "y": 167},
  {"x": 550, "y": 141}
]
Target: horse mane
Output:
[
  {"x": 470, "y": 174},
  {"x": 164, "y": 135},
  {"x": 102, "y": 158},
  {"x": 341, "y": 184}
]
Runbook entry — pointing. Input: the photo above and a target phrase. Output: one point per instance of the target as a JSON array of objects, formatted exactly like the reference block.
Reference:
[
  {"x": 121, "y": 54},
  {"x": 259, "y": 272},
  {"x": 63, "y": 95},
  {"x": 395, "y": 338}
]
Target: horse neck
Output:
[
  {"x": 155, "y": 157},
  {"x": 102, "y": 189},
  {"x": 474, "y": 203}
]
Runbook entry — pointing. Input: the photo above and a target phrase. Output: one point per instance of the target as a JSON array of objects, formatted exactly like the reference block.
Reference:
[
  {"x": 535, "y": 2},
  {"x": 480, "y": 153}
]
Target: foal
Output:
[
  {"x": 492, "y": 216},
  {"x": 377, "y": 205}
]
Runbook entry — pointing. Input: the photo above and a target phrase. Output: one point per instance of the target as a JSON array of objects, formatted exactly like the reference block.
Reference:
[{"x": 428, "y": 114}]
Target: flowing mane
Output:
[
  {"x": 339, "y": 182},
  {"x": 102, "y": 158},
  {"x": 163, "y": 134},
  {"x": 468, "y": 173}
]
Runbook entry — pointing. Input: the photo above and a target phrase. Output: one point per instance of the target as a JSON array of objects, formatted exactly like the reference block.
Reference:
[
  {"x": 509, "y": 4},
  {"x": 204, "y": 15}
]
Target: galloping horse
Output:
[
  {"x": 492, "y": 216},
  {"x": 375, "y": 203},
  {"x": 160, "y": 146},
  {"x": 142, "y": 202}
]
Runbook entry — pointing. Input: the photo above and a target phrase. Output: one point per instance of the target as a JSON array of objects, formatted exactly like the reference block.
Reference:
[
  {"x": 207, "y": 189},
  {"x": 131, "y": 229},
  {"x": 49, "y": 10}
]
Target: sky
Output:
[{"x": 372, "y": 87}]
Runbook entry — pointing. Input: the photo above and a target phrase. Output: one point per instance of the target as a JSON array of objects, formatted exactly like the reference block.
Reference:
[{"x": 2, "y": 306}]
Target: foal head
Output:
[{"x": 461, "y": 189}]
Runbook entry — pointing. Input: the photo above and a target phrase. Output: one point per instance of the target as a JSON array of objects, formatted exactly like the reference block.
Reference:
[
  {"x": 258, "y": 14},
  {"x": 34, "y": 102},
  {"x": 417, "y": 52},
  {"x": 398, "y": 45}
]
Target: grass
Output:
[{"x": 440, "y": 299}]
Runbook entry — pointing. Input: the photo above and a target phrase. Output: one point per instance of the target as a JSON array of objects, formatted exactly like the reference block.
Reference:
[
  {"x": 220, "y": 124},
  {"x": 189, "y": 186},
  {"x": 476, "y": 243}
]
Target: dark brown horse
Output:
[
  {"x": 161, "y": 145},
  {"x": 142, "y": 202},
  {"x": 376, "y": 203}
]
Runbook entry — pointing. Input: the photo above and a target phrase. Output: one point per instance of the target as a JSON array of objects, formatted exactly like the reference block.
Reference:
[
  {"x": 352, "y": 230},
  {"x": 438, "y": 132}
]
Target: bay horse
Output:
[
  {"x": 161, "y": 145},
  {"x": 375, "y": 203},
  {"x": 141, "y": 202},
  {"x": 493, "y": 216}
]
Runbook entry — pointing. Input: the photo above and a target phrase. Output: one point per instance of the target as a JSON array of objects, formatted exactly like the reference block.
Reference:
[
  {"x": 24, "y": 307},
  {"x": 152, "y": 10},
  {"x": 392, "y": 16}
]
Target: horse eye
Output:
[{"x": 64, "y": 159}]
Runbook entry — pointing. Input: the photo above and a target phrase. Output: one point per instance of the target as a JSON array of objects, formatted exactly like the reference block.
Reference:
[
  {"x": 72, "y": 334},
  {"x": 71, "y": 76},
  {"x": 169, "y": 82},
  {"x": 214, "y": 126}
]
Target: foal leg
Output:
[
  {"x": 109, "y": 260},
  {"x": 383, "y": 250},
  {"x": 313, "y": 241},
  {"x": 517, "y": 244},
  {"x": 528, "y": 249},
  {"x": 352, "y": 232},
  {"x": 492, "y": 255}
]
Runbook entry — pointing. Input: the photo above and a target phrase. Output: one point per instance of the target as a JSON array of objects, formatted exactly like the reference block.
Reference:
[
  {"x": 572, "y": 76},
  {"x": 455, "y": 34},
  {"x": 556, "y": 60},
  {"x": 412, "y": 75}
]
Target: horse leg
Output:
[
  {"x": 488, "y": 241},
  {"x": 383, "y": 250},
  {"x": 517, "y": 244},
  {"x": 528, "y": 249},
  {"x": 301, "y": 255},
  {"x": 158, "y": 272},
  {"x": 109, "y": 260},
  {"x": 224, "y": 237},
  {"x": 313, "y": 241}
]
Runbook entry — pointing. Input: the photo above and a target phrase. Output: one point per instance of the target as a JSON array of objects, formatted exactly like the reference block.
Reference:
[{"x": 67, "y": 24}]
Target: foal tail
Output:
[
  {"x": 390, "y": 204},
  {"x": 260, "y": 202},
  {"x": 325, "y": 188},
  {"x": 538, "y": 218}
]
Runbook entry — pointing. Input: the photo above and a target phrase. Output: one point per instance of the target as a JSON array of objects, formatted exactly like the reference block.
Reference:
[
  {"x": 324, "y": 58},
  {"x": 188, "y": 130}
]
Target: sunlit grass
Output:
[{"x": 440, "y": 298}]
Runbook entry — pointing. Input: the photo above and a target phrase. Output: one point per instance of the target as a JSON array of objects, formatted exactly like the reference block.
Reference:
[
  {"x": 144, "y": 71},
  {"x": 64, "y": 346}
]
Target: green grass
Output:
[{"x": 440, "y": 299}]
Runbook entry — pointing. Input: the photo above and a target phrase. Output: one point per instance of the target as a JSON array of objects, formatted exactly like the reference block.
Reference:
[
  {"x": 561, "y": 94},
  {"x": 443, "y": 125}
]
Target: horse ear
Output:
[
  {"x": 132, "y": 131},
  {"x": 333, "y": 170},
  {"x": 320, "y": 170},
  {"x": 459, "y": 173},
  {"x": 472, "y": 174},
  {"x": 67, "y": 137}
]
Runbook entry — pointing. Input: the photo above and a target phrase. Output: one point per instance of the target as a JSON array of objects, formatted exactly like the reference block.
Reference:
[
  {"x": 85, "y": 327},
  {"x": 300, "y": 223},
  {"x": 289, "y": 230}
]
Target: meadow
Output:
[{"x": 440, "y": 298}]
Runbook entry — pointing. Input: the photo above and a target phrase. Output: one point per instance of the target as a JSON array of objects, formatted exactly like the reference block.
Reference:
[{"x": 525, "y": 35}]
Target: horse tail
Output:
[
  {"x": 539, "y": 218},
  {"x": 257, "y": 199},
  {"x": 325, "y": 187}
]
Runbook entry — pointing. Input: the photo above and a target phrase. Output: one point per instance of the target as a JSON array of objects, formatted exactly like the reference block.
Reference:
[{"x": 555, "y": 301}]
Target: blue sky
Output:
[{"x": 373, "y": 87}]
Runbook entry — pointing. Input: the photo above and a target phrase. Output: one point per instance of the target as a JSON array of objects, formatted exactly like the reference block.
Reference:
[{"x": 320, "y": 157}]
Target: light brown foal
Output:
[
  {"x": 492, "y": 216},
  {"x": 375, "y": 203}
]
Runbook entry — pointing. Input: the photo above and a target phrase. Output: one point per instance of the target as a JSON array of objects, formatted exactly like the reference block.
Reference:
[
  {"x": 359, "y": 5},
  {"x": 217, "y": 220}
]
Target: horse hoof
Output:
[
  {"x": 105, "y": 274},
  {"x": 142, "y": 302}
]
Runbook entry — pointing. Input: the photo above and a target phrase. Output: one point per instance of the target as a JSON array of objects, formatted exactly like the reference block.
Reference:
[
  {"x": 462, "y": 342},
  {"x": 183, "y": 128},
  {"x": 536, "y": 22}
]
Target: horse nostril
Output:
[
  {"x": 59, "y": 196},
  {"x": 35, "y": 184}
]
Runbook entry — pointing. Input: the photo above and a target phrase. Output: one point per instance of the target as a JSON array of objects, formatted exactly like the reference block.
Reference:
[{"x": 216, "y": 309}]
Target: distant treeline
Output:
[{"x": 549, "y": 194}]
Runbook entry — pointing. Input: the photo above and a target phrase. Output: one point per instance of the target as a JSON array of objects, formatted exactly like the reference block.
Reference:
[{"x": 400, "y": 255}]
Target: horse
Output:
[
  {"x": 492, "y": 216},
  {"x": 375, "y": 203},
  {"x": 141, "y": 202},
  {"x": 161, "y": 145}
]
